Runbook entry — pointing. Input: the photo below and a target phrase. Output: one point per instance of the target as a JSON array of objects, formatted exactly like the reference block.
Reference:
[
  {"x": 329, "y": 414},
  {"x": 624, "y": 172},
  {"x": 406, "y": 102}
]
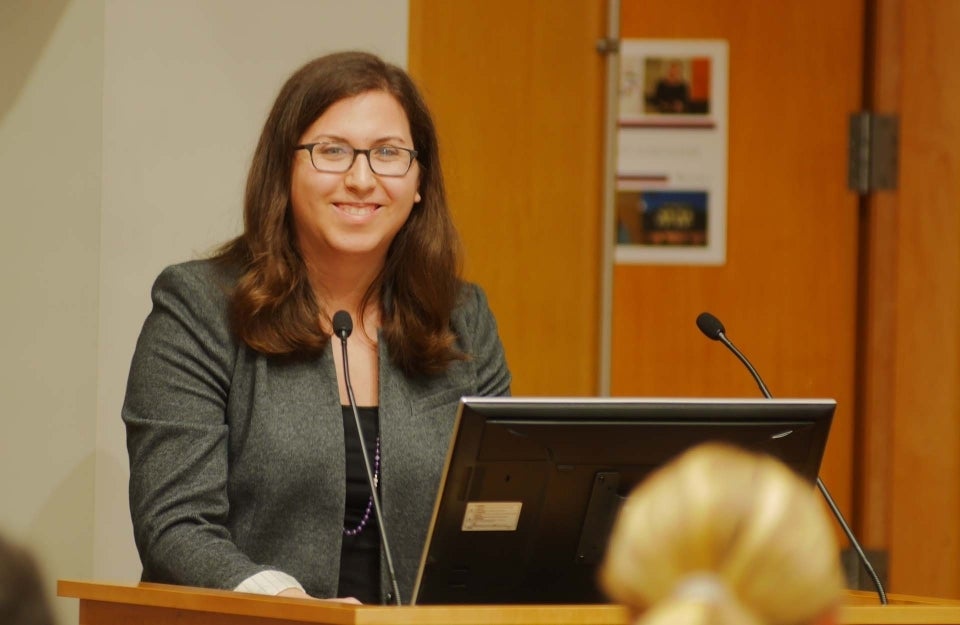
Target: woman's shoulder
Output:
[
  {"x": 194, "y": 295},
  {"x": 206, "y": 278},
  {"x": 197, "y": 289},
  {"x": 471, "y": 300},
  {"x": 473, "y": 309}
]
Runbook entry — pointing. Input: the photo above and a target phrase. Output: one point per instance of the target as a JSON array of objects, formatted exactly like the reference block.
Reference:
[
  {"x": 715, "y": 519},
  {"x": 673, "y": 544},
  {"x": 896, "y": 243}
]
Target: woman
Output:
[
  {"x": 721, "y": 536},
  {"x": 245, "y": 465}
]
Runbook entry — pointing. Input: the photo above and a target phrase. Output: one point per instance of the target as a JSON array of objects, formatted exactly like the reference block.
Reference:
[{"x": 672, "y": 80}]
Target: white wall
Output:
[
  {"x": 51, "y": 79},
  {"x": 126, "y": 128}
]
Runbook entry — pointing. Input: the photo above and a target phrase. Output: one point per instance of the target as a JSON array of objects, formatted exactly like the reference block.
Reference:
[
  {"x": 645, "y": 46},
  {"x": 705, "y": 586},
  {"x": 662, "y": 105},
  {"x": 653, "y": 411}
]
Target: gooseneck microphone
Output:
[
  {"x": 714, "y": 330},
  {"x": 343, "y": 328}
]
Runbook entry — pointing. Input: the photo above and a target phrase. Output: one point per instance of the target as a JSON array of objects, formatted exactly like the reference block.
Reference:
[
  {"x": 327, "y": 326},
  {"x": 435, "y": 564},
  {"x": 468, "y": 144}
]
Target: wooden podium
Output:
[{"x": 160, "y": 604}]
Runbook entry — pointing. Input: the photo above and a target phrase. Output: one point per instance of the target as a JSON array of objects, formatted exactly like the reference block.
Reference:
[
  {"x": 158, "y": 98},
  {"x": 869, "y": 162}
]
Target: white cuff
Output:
[{"x": 268, "y": 583}]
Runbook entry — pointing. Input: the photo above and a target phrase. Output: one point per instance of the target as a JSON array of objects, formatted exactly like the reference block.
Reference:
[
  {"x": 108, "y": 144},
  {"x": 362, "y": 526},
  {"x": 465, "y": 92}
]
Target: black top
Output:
[{"x": 360, "y": 554}]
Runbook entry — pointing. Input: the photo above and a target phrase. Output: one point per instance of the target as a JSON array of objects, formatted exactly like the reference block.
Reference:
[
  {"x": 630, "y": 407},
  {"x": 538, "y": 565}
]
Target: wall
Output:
[
  {"x": 50, "y": 183},
  {"x": 125, "y": 132}
]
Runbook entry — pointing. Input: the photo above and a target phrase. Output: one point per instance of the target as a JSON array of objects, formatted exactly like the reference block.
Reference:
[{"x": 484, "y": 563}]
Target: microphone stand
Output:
[
  {"x": 718, "y": 334},
  {"x": 343, "y": 327}
]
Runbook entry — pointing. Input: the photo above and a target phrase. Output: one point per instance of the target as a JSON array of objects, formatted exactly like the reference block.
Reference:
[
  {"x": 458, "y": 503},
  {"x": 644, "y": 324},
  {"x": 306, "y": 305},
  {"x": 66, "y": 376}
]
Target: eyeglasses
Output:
[{"x": 337, "y": 158}]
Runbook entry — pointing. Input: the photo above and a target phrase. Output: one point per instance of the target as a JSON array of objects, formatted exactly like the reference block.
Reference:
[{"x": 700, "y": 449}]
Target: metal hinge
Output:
[
  {"x": 874, "y": 143},
  {"x": 608, "y": 45}
]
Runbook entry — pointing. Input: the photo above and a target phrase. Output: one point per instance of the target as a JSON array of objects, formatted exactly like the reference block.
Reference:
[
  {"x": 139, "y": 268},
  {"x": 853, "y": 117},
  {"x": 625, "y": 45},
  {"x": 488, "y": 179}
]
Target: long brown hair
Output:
[{"x": 273, "y": 309}]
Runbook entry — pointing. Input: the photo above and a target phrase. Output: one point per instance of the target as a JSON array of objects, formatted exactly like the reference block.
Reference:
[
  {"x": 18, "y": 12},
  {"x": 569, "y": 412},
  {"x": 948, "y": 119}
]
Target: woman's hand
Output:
[{"x": 296, "y": 593}]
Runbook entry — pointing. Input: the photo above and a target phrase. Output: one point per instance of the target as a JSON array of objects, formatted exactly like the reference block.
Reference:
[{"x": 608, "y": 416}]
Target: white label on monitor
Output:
[{"x": 491, "y": 516}]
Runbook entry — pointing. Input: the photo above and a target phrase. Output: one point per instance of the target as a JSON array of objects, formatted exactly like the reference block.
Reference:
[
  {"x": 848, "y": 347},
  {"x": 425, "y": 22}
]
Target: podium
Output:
[{"x": 161, "y": 604}]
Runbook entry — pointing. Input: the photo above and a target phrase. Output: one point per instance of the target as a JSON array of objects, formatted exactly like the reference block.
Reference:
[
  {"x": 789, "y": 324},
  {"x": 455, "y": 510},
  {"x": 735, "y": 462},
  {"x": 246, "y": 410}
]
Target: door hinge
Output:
[
  {"x": 608, "y": 45},
  {"x": 874, "y": 143}
]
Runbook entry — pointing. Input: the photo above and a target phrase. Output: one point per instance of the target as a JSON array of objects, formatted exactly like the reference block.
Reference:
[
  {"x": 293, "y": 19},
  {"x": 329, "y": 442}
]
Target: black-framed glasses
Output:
[{"x": 338, "y": 158}]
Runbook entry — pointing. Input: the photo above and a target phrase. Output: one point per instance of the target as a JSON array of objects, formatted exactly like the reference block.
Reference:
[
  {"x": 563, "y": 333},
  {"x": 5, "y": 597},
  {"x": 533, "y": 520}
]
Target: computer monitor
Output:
[{"x": 531, "y": 486}]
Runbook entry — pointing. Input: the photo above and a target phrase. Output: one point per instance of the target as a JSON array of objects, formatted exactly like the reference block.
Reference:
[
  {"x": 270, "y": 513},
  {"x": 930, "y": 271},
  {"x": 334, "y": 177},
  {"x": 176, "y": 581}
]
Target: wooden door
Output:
[
  {"x": 910, "y": 493},
  {"x": 787, "y": 293},
  {"x": 517, "y": 89},
  {"x": 517, "y": 92}
]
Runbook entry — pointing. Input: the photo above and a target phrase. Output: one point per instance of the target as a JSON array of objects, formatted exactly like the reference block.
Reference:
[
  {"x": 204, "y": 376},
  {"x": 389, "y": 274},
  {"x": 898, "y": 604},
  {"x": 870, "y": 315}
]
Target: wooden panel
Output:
[
  {"x": 516, "y": 88},
  {"x": 787, "y": 293},
  {"x": 98, "y": 613},
  {"x": 159, "y": 604},
  {"x": 925, "y": 486}
]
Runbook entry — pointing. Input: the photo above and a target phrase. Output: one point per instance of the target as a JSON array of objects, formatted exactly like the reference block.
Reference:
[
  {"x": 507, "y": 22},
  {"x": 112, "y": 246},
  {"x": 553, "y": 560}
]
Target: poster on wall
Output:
[{"x": 671, "y": 179}]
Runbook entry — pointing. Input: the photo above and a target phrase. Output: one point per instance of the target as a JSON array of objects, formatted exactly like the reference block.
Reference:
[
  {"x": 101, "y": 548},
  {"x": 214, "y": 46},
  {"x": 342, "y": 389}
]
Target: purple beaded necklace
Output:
[{"x": 376, "y": 483}]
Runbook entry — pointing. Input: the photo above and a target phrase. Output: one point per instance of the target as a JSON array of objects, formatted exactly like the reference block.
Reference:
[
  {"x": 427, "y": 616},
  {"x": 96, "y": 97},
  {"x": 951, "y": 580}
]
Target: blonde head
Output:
[{"x": 721, "y": 535}]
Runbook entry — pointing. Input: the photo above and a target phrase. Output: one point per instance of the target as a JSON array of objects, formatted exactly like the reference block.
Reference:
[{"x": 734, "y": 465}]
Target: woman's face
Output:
[{"x": 355, "y": 214}]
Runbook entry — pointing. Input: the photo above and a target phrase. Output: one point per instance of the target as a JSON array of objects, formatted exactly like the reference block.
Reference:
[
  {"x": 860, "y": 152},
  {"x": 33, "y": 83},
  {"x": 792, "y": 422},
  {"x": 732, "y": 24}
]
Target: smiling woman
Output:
[
  {"x": 246, "y": 471},
  {"x": 346, "y": 214}
]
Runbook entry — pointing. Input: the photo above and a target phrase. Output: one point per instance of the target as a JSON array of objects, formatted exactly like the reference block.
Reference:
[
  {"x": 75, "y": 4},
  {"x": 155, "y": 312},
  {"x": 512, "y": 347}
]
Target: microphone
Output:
[
  {"x": 714, "y": 330},
  {"x": 343, "y": 328}
]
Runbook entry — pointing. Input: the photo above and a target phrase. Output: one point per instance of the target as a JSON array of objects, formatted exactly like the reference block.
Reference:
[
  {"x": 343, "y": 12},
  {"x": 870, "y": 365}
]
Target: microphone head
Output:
[
  {"x": 342, "y": 324},
  {"x": 710, "y": 326}
]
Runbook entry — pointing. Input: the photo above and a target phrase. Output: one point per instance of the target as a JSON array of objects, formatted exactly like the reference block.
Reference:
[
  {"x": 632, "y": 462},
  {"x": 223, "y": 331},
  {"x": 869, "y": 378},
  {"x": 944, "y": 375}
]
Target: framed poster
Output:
[{"x": 671, "y": 178}]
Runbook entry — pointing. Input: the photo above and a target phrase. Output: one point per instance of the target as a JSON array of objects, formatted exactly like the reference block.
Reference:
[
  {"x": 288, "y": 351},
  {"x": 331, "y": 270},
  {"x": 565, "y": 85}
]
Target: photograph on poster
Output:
[
  {"x": 671, "y": 152},
  {"x": 656, "y": 85},
  {"x": 662, "y": 218}
]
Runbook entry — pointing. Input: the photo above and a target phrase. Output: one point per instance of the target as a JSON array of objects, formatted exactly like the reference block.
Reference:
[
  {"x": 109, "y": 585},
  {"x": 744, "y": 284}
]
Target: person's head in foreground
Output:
[
  {"x": 22, "y": 598},
  {"x": 721, "y": 535}
]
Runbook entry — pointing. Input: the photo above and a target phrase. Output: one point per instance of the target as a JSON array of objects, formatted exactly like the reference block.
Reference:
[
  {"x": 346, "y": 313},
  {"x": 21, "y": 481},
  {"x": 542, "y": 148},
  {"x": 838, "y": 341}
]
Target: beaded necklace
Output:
[{"x": 376, "y": 483}]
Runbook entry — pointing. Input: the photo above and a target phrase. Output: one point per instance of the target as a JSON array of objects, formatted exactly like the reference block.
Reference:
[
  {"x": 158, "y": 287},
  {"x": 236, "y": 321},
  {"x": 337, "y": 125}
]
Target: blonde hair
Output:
[{"x": 721, "y": 535}]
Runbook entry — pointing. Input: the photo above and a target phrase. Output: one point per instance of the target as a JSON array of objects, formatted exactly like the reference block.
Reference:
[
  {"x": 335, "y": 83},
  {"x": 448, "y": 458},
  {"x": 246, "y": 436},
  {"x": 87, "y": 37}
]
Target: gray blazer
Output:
[{"x": 237, "y": 459}]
